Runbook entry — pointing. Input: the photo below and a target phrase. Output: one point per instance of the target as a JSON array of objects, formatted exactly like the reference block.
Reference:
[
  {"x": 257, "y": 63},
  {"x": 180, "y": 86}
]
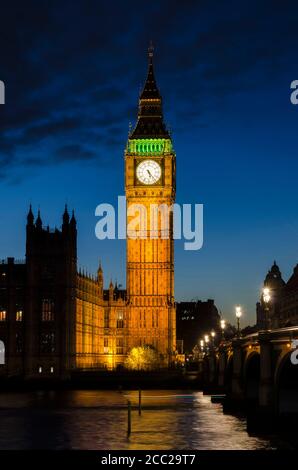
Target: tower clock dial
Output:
[{"x": 148, "y": 172}]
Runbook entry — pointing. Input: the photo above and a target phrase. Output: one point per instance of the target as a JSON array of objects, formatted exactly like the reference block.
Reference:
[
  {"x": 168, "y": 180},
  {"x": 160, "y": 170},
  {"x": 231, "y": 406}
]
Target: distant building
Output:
[
  {"x": 289, "y": 301},
  {"x": 275, "y": 283},
  {"x": 283, "y": 306},
  {"x": 194, "y": 319}
]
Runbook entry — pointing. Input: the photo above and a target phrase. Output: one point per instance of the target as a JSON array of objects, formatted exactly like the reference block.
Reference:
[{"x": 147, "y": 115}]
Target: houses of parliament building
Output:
[{"x": 54, "y": 319}]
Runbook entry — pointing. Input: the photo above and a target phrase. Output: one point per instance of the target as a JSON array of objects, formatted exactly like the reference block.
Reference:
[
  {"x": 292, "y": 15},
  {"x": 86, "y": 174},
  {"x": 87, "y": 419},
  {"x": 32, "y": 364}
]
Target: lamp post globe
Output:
[
  {"x": 238, "y": 316},
  {"x": 266, "y": 300},
  {"x": 222, "y": 326}
]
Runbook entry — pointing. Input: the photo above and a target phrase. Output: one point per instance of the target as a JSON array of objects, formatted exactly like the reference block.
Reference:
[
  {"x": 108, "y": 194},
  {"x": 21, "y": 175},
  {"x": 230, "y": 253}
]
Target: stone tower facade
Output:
[
  {"x": 49, "y": 311},
  {"x": 150, "y": 184}
]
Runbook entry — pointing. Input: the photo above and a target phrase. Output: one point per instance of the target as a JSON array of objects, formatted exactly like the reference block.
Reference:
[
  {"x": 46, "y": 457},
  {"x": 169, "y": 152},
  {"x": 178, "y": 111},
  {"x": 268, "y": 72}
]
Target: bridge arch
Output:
[
  {"x": 251, "y": 376},
  {"x": 286, "y": 385}
]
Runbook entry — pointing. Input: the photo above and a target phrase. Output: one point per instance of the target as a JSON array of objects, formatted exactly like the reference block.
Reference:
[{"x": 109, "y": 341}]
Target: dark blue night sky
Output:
[{"x": 73, "y": 71}]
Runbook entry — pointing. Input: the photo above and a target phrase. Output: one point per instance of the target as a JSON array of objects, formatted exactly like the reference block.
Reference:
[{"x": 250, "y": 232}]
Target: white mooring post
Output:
[
  {"x": 2, "y": 353},
  {"x": 2, "y": 92}
]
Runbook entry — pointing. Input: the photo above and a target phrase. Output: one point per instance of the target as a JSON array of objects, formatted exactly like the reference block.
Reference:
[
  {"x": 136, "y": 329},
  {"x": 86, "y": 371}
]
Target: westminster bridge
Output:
[{"x": 259, "y": 368}]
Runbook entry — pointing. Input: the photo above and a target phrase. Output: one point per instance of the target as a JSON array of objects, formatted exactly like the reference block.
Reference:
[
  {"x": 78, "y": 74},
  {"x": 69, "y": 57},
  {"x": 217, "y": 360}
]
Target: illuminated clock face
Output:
[{"x": 148, "y": 172}]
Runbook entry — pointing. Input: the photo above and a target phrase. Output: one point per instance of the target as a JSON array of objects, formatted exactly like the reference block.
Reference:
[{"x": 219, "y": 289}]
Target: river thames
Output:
[{"x": 98, "y": 420}]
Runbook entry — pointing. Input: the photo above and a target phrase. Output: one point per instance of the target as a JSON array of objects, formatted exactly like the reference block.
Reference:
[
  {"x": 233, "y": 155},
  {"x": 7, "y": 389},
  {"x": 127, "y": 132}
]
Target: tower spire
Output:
[
  {"x": 30, "y": 216},
  {"x": 38, "y": 222},
  {"x": 150, "y": 122},
  {"x": 150, "y": 90},
  {"x": 65, "y": 216},
  {"x": 73, "y": 221}
]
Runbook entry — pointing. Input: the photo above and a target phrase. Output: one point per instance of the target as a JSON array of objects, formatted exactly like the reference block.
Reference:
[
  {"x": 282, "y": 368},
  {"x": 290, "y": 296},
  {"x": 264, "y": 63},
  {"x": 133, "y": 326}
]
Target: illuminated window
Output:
[
  {"x": 2, "y": 315},
  {"x": 47, "y": 310},
  {"x": 19, "y": 315},
  {"x": 40, "y": 370},
  {"x": 106, "y": 345},
  {"x": 52, "y": 370},
  {"x": 120, "y": 322},
  {"x": 119, "y": 346}
]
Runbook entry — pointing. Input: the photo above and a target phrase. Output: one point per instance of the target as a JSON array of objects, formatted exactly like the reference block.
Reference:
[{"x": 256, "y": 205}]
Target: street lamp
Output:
[
  {"x": 238, "y": 315},
  {"x": 266, "y": 299},
  {"x": 202, "y": 344},
  {"x": 206, "y": 339},
  {"x": 223, "y": 325},
  {"x": 213, "y": 336}
]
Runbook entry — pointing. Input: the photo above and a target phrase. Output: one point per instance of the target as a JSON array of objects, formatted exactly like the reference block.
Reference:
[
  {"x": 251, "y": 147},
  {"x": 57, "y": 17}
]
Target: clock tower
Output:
[{"x": 150, "y": 185}]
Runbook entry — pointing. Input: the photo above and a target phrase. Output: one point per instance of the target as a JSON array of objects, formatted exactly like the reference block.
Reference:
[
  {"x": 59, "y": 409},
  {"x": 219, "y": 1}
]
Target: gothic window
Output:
[
  {"x": 47, "y": 310},
  {"x": 2, "y": 315},
  {"x": 19, "y": 315},
  {"x": 3, "y": 303},
  {"x": 119, "y": 346},
  {"x": 48, "y": 273},
  {"x": 106, "y": 345},
  {"x": 19, "y": 343},
  {"x": 19, "y": 298},
  {"x": 106, "y": 319},
  {"x": 47, "y": 342},
  {"x": 120, "y": 321}
]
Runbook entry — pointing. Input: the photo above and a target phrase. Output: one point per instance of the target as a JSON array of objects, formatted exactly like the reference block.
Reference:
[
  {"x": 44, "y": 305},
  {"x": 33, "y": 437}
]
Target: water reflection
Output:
[{"x": 98, "y": 420}]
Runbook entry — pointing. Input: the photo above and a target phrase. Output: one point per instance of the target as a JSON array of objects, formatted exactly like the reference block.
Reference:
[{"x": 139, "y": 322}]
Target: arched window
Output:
[
  {"x": 47, "y": 310},
  {"x": 120, "y": 319}
]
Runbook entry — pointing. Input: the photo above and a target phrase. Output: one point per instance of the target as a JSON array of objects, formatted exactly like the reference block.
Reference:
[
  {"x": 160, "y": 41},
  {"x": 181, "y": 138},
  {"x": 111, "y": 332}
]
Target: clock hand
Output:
[{"x": 149, "y": 173}]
